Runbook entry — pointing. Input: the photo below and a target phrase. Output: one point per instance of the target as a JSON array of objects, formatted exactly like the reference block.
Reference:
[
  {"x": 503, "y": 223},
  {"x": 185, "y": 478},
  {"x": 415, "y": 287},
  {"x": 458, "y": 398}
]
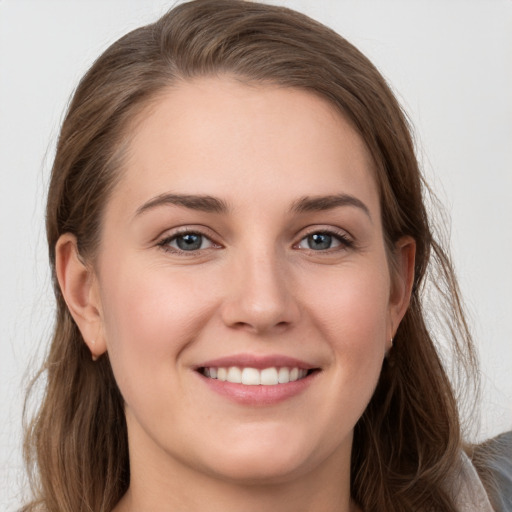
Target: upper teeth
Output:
[{"x": 255, "y": 377}]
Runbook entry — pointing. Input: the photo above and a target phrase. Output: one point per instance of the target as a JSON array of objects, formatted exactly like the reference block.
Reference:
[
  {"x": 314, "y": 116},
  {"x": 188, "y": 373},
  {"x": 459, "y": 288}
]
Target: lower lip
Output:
[{"x": 259, "y": 395}]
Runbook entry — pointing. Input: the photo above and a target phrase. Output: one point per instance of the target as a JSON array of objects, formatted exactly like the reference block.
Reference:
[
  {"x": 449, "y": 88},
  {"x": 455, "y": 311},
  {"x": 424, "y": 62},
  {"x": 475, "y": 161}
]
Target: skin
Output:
[{"x": 255, "y": 287}]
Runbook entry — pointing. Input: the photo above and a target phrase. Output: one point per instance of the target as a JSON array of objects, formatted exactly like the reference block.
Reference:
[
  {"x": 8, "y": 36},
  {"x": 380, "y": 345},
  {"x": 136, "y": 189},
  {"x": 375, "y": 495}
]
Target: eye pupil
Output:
[
  {"x": 189, "y": 241},
  {"x": 319, "y": 241}
]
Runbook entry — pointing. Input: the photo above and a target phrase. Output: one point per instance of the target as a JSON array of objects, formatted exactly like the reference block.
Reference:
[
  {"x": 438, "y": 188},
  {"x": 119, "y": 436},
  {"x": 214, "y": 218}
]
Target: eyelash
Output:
[
  {"x": 164, "y": 243},
  {"x": 344, "y": 240}
]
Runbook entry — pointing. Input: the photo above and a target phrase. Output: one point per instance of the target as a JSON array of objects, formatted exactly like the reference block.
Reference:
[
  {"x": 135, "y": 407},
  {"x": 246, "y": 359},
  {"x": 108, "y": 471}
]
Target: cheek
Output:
[
  {"x": 351, "y": 304},
  {"x": 150, "y": 315},
  {"x": 351, "y": 310}
]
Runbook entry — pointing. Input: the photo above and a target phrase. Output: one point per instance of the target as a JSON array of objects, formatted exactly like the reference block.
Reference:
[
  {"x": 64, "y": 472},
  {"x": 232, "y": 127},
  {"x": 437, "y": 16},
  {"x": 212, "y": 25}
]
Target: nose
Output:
[{"x": 259, "y": 295}]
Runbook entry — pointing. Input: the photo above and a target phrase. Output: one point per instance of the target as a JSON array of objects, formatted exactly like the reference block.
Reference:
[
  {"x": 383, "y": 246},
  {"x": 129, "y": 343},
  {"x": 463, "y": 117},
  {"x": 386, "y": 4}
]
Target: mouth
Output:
[
  {"x": 258, "y": 380},
  {"x": 249, "y": 376}
]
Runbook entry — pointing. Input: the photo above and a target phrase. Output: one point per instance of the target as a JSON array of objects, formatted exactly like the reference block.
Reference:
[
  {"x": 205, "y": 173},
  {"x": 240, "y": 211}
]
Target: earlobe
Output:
[
  {"x": 78, "y": 285},
  {"x": 403, "y": 279}
]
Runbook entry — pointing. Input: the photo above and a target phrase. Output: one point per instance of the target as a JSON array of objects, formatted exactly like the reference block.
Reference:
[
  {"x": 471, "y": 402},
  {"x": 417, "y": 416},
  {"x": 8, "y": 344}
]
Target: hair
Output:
[{"x": 408, "y": 441}]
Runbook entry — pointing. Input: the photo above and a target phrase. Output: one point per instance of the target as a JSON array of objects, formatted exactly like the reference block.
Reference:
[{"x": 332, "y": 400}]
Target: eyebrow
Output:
[
  {"x": 212, "y": 204},
  {"x": 322, "y": 203},
  {"x": 194, "y": 202}
]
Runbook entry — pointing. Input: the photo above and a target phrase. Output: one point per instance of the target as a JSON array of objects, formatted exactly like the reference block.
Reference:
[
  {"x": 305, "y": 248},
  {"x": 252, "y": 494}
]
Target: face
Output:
[{"x": 242, "y": 283}]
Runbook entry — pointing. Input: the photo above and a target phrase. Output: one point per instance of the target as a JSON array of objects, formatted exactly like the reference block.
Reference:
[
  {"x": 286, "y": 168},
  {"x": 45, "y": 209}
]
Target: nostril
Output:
[{"x": 241, "y": 325}]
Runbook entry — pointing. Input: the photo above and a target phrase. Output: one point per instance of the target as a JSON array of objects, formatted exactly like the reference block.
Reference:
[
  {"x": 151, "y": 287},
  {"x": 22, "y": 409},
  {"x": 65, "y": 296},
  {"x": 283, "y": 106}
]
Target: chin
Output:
[
  {"x": 261, "y": 470},
  {"x": 272, "y": 458}
]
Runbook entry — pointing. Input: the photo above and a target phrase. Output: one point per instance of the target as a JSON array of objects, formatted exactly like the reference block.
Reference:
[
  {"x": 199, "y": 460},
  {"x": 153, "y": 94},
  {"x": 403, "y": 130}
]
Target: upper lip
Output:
[{"x": 256, "y": 361}]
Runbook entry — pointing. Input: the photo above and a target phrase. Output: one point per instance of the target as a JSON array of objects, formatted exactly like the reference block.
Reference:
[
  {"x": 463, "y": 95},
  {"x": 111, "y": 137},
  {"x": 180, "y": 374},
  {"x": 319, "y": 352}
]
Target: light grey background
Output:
[{"x": 451, "y": 65}]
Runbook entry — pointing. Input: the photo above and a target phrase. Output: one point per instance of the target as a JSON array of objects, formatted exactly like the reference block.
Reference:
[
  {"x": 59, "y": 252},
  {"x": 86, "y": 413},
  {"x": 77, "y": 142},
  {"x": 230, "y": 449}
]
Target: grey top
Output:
[
  {"x": 468, "y": 487},
  {"x": 497, "y": 456},
  {"x": 470, "y": 494}
]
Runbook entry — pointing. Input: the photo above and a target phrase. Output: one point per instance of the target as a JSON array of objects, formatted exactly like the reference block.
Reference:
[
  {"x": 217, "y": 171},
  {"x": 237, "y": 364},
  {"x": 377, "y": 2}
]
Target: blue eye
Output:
[
  {"x": 186, "y": 242},
  {"x": 322, "y": 241},
  {"x": 189, "y": 242}
]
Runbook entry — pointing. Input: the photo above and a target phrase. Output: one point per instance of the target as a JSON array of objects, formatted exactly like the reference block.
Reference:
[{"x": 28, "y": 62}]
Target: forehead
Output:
[{"x": 221, "y": 137}]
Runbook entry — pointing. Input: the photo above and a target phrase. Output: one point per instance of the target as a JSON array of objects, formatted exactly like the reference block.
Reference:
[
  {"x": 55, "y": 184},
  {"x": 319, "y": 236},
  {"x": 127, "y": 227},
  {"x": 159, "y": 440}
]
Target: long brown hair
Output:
[{"x": 408, "y": 441}]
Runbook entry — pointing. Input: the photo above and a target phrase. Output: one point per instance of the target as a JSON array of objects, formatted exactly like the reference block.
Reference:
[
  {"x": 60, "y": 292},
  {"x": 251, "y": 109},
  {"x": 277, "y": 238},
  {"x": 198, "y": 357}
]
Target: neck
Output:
[
  {"x": 172, "y": 486},
  {"x": 285, "y": 498},
  {"x": 231, "y": 497}
]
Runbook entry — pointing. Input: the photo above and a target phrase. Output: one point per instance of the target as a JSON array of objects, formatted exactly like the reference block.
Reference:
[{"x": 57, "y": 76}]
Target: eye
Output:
[
  {"x": 323, "y": 241},
  {"x": 189, "y": 241}
]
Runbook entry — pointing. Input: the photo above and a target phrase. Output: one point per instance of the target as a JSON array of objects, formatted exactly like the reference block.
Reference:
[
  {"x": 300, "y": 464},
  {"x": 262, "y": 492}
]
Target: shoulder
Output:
[
  {"x": 493, "y": 462},
  {"x": 468, "y": 489}
]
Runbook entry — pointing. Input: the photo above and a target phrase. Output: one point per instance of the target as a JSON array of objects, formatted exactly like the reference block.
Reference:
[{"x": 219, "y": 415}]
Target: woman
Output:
[{"x": 239, "y": 246}]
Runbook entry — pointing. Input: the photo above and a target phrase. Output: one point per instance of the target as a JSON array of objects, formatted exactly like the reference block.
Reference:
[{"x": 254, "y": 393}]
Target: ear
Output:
[
  {"x": 402, "y": 281},
  {"x": 79, "y": 288}
]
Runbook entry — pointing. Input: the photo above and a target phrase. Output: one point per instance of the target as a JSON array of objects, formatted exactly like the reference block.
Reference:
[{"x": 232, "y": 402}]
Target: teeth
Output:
[
  {"x": 283, "y": 376},
  {"x": 268, "y": 377},
  {"x": 254, "y": 377},
  {"x": 234, "y": 375},
  {"x": 251, "y": 377}
]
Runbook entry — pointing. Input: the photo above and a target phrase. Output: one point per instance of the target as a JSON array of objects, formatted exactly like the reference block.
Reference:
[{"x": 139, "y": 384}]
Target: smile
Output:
[
  {"x": 248, "y": 376},
  {"x": 258, "y": 380}
]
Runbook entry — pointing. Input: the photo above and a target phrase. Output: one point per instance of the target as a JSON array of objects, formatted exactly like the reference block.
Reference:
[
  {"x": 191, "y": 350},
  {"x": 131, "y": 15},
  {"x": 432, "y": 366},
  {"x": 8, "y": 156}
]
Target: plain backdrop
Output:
[{"x": 450, "y": 63}]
